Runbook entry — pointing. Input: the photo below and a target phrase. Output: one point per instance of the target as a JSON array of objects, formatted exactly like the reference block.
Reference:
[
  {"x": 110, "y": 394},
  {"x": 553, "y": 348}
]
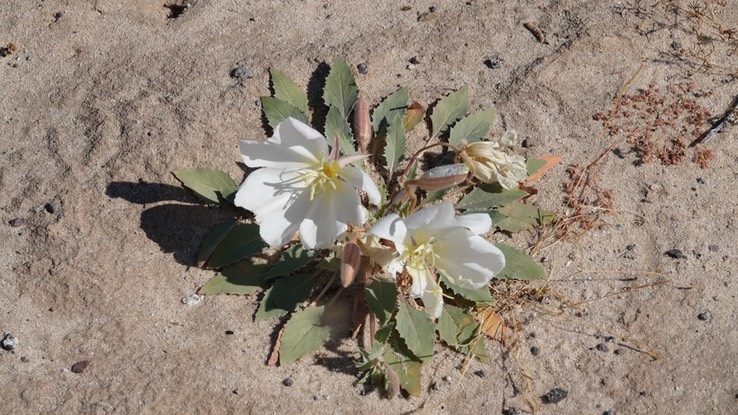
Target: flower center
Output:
[
  {"x": 324, "y": 176},
  {"x": 421, "y": 255}
]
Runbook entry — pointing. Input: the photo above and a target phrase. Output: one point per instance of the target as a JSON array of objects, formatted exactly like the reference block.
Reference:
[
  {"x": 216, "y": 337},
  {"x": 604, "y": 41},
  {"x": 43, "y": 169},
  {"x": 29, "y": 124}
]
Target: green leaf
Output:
[
  {"x": 212, "y": 240},
  {"x": 407, "y": 369},
  {"x": 241, "y": 242},
  {"x": 519, "y": 265},
  {"x": 288, "y": 91},
  {"x": 284, "y": 296},
  {"x": 340, "y": 88},
  {"x": 392, "y": 107},
  {"x": 336, "y": 124},
  {"x": 472, "y": 127},
  {"x": 519, "y": 216},
  {"x": 449, "y": 109},
  {"x": 460, "y": 330},
  {"x": 481, "y": 295},
  {"x": 243, "y": 277},
  {"x": 490, "y": 196},
  {"x": 213, "y": 186},
  {"x": 533, "y": 165},
  {"x": 417, "y": 330},
  {"x": 292, "y": 259},
  {"x": 277, "y": 111},
  {"x": 396, "y": 144},
  {"x": 303, "y": 334},
  {"x": 381, "y": 296}
]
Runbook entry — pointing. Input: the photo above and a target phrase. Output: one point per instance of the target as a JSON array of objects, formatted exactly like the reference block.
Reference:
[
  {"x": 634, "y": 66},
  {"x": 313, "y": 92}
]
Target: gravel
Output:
[
  {"x": 10, "y": 342},
  {"x": 555, "y": 395}
]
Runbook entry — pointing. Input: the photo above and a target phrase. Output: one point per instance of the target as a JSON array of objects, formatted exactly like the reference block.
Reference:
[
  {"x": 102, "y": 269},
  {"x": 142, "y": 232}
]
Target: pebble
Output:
[
  {"x": 25, "y": 359},
  {"x": 630, "y": 247},
  {"x": 535, "y": 351},
  {"x": 602, "y": 347},
  {"x": 713, "y": 248},
  {"x": 480, "y": 373},
  {"x": 363, "y": 68},
  {"x": 80, "y": 366},
  {"x": 16, "y": 222},
  {"x": 675, "y": 253},
  {"x": 53, "y": 206},
  {"x": 191, "y": 299},
  {"x": 241, "y": 72},
  {"x": 511, "y": 411},
  {"x": 446, "y": 378},
  {"x": 609, "y": 339},
  {"x": 229, "y": 332},
  {"x": 493, "y": 63},
  {"x": 288, "y": 382},
  {"x": 10, "y": 342},
  {"x": 700, "y": 180},
  {"x": 555, "y": 395},
  {"x": 619, "y": 351},
  {"x": 609, "y": 412},
  {"x": 676, "y": 45},
  {"x": 706, "y": 316}
]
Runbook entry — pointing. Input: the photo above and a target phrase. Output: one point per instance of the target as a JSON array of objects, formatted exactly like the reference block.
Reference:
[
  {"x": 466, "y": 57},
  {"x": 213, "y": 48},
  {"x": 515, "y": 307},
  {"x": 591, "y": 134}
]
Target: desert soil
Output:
[{"x": 101, "y": 100}]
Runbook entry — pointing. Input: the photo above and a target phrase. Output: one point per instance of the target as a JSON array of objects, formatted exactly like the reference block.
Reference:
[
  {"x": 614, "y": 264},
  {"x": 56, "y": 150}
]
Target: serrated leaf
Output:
[
  {"x": 340, "y": 88},
  {"x": 449, "y": 109},
  {"x": 284, "y": 296},
  {"x": 408, "y": 370},
  {"x": 395, "y": 146},
  {"x": 336, "y": 124},
  {"x": 243, "y": 277},
  {"x": 536, "y": 169},
  {"x": 291, "y": 260},
  {"x": 417, "y": 330},
  {"x": 458, "y": 329},
  {"x": 304, "y": 333},
  {"x": 490, "y": 196},
  {"x": 413, "y": 116},
  {"x": 213, "y": 186},
  {"x": 212, "y": 240},
  {"x": 241, "y": 242},
  {"x": 472, "y": 127},
  {"x": 392, "y": 107},
  {"x": 481, "y": 295},
  {"x": 519, "y": 216},
  {"x": 288, "y": 91},
  {"x": 519, "y": 265},
  {"x": 381, "y": 296},
  {"x": 277, "y": 111}
]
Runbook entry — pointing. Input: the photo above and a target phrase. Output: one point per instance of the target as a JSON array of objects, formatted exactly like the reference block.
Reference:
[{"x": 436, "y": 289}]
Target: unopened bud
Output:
[
  {"x": 350, "y": 263},
  {"x": 362, "y": 125},
  {"x": 441, "y": 177}
]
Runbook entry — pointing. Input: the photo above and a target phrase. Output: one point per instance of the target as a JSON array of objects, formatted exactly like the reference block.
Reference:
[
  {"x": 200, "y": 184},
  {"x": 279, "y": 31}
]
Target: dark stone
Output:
[
  {"x": 25, "y": 359},
  {"x": 229, "y": 332},
  {"x": 609, "y": 339},
  {"x": 16, "y": 222},
  {"x": 676, "y": 45},
  {"x": 555, "y": 395},
  {"x": 288, "y": 382},
  {"x": 80, "y": 366},
  {"x": 53, "y": 206},
  {"x": 535, "y": 351},
  {"x": 363, "y": 68},
  {"x": 700, "y": 180},
  {"x": 675, "y": 253},
  {"x": 432, "y": 9},
  {"x": 510, "y": 411},
  {"x": 241, "y": 72},
  {"x": 480, "y": 373},
  {"x": 602, "y": 347},
  {"x": 10, "y": 342},
  {"x": 630, "y": 247},
  {"x": 414, "y": 60},
  {"x": 713, "y": 248},
  {"x": 706, "y": 316},
  {"x": 619, "y": 351},
  {"x": 493, "y": 63},
  {"x": 609, "y": 412}
]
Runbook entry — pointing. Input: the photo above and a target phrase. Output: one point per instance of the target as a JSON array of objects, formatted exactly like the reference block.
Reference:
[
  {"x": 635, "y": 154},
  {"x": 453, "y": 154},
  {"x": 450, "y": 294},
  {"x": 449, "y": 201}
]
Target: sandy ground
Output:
[{"x": 101, "y": 100}]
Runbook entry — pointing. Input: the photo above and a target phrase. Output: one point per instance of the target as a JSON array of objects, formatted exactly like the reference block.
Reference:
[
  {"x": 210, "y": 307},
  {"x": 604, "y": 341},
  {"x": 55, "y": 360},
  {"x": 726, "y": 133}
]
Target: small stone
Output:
[
  {"x": 675, "y": 253},
  {"x": 706, "y": 316},
  {"x": 700, "y": 180},
  {"x": 609, "y": 412},
  {"x": 241, "y": 72},
  {"x": 555, "y": 395},
  {"x": 10, "y": 342},
  {"x": 288, "y": 382},
  {"x": 446, "y": 378},
  {"x": 80, "y": 366},
  {"x": 619, "y": 351},
  {"x": 602, "y": 347},
  {"x": 480, "y": 373},
  {"x": 432, "y": 9},
  {"x": 713, "y": 248},
  {"x": 535, "y": 351},
  {"x": 510, "y": 411},
  {"x": 16, "y": 222},
  {"x": 229, "y": 332},
  {"x": 53, "y": 206},
  {"x": 25, "y": 359},
  {"x": 493, "y": 63},
  {"x": 191, "y": 299},
  {"x": 235, "y": 391},
  {"x": 609, "y": 339},
  {"x": 363, "y": 68},
  {"x": 414, "y": 60},
  {"x": 676, "y": 45},
  {"x": 630, "y": 247}
]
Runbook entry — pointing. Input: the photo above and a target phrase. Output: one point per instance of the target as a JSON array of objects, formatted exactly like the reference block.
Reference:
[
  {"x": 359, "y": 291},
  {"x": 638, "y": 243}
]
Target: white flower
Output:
[
  {"x": 488, "y": 164},
  {"x": 435, "y": 239},
  {"x": 301, "y": 186}
]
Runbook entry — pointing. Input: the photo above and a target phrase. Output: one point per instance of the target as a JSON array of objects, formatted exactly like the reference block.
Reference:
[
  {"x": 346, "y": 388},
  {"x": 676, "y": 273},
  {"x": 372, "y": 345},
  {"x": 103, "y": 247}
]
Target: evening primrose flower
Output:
[
  {"x": 301, "y": 186},
  {"x": 435, "y": 239},
  {"x": 489, "y": 164}
]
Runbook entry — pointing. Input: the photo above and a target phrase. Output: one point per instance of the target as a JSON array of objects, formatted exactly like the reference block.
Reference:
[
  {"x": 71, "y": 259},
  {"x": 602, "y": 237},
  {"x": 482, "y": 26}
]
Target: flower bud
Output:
[
  {"x": 362, "y": 125},
  {"x": 441, "y": 177},
  {"x": 350, "y": 263}
]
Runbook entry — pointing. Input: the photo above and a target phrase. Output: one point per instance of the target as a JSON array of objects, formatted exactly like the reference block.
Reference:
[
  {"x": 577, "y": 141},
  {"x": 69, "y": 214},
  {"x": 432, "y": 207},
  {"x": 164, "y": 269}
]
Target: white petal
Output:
[
  {"x": 392, "y": 228},
  {"x": 301, "y": 138},
  {"x": 468, "y": 260},
  {"x": 321, "y": 227},
  {"x": 477, "y": 223},
  {"x": 362, "y": 181},
  {"x": 421, "y": 279},
  {"x": 433, "y": 300},
  {"x": 434, "y": 217},
  {"x": 347, "y": 204},
  {"x": 270, "y": 154}
]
